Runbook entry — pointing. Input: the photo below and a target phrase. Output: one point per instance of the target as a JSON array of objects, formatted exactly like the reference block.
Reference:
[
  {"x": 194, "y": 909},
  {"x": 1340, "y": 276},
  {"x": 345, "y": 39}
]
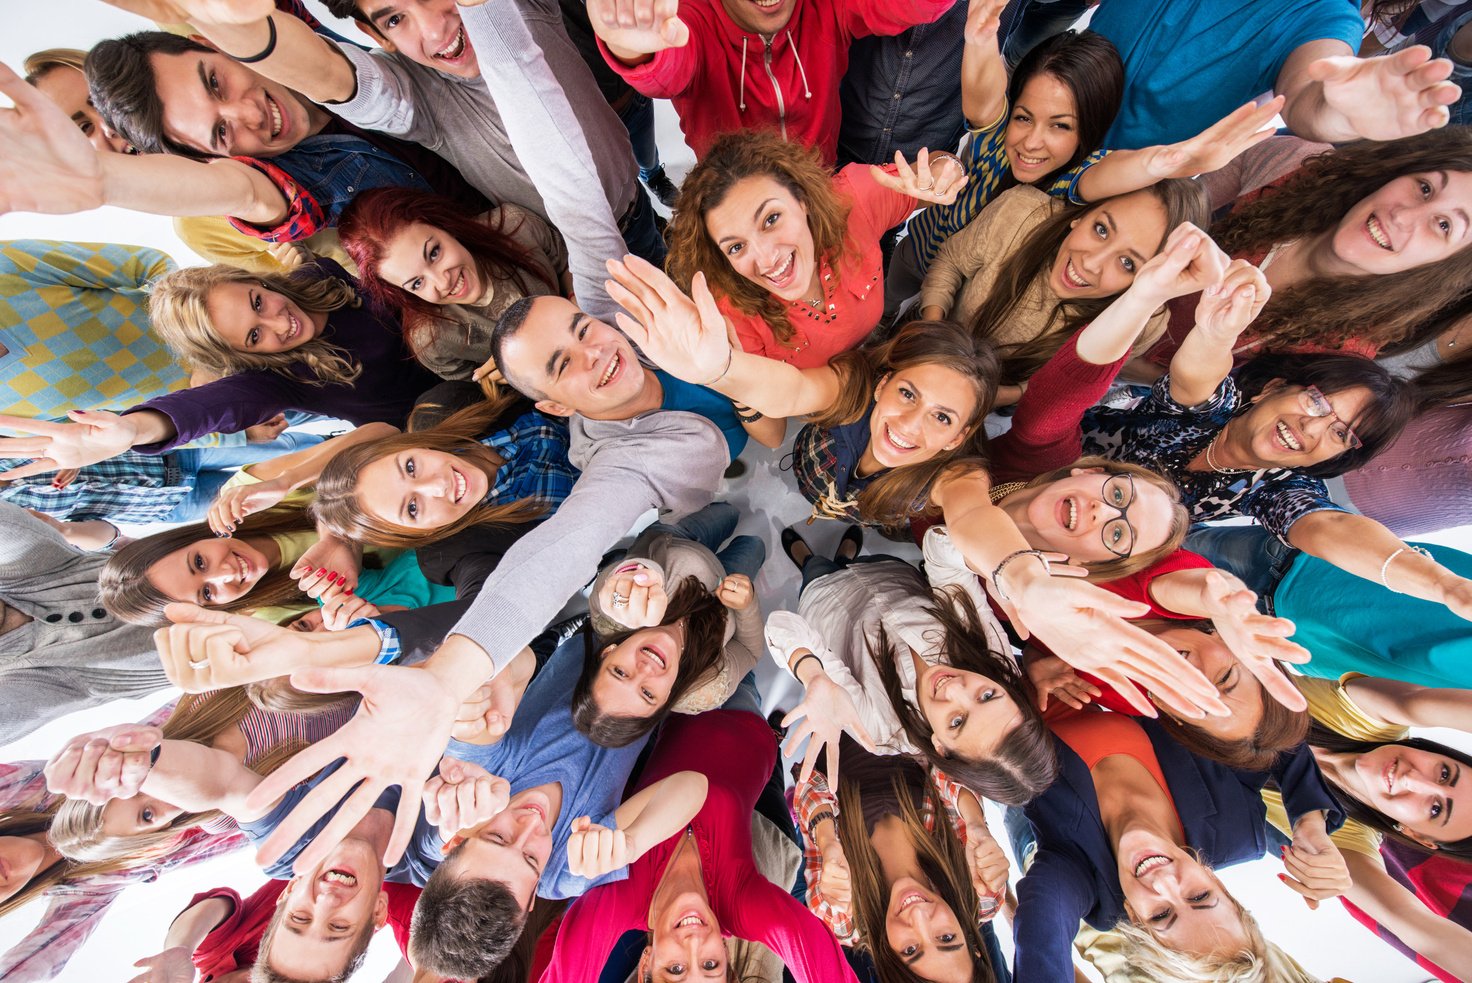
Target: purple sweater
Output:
[
  {"x": 384, "y": 392},
  {"x": 1422, "y": 483}
]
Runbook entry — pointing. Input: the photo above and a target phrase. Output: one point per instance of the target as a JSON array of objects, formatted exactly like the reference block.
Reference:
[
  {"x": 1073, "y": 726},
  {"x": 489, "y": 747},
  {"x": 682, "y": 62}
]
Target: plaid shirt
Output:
[
  {"x": 985, "y": 159},
  {"x": 75, "y": 907},
  {"x": 814, "y": 797},
  {"x": 131, "y": 487},
  {"x": 534, "y": 452}
]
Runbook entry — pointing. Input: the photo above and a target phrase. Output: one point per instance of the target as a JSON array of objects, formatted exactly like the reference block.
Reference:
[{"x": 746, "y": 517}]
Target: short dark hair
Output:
[
  {"x": 1392, "y": 401},
  {"x": 463, "y": 927},
  {"x": 347, "y": 10},
  {"x": 125, "y": 90},
  {"x": 511, "y": 321}
]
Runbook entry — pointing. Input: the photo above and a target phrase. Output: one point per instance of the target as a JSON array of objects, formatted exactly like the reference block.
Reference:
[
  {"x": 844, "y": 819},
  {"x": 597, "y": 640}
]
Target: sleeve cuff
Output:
[{"x": 389, "y": 647}]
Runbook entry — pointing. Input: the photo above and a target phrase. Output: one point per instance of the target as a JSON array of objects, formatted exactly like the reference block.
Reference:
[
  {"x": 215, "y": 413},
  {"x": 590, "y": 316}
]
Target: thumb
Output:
[
  {"x": 1107, "y": 603},
  {"x": 137, "y": 739},
  {"x": 581, "y": 823},
  {"x": 1324, "y": 68},
  {"x": 181, "y": 613},
  {"x": 675, "y": 33},
  {"x": 322, "y": 679}
]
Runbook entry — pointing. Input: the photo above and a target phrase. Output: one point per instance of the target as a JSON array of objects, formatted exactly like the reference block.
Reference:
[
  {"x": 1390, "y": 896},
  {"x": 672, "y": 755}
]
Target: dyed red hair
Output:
[{"x": 376, "y": 216}]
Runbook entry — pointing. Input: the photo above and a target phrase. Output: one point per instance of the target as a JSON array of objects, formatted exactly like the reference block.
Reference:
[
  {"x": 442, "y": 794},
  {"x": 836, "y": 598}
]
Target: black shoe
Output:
[
  {"x": 660, "y": 185},
  {"x": 790, "y": 541},
  {"x": 735, "y": 469},
  {"x": 850, "y": 544}
]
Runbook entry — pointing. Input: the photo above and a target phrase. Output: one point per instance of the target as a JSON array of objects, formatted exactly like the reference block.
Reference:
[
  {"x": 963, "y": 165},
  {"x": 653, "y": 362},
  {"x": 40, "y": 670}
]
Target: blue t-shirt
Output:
[
  {"x": 543, "y": 746},
  {"x": 718, "y": 409},
  {"x": 414, "y": 868},
  {"x": 1188, "y": 63}
]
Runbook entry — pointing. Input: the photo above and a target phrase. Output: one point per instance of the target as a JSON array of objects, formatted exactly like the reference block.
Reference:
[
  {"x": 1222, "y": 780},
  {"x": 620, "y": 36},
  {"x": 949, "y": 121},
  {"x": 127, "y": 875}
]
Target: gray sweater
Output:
[
  {"x": 72, "y": 654},
  {"x": 533, "y": 130},
  {"x": 667, "y": 460}
]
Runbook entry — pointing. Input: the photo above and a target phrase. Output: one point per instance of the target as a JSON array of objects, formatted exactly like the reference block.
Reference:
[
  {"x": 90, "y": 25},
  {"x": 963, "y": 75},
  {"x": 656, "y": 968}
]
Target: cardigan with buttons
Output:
[{"x": 72, "y": 654}]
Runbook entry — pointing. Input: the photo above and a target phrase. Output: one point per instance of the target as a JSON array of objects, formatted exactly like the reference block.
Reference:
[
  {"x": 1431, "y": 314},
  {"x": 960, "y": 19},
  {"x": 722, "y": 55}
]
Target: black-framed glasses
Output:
[{"x": 1118, "y": 534}]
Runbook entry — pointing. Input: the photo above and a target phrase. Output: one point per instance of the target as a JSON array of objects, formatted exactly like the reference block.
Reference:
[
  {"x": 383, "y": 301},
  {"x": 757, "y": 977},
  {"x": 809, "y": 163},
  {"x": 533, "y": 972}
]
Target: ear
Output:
[
  {"x": 1425, "y": 841},
  {"x": 371, "y": 33},
  {"x": 646, "y": 959},
  {"x": 553, "y": 408},
  {"x": 960, "y": 439},
  {"x": 281, "y": 898},
  {"x": 939, "y": 748},
  {"x": 883, "y": 380},
  {"x": 201, "y": 39},
  {"x": 380, "y": 909},
  {"x": 1075, "y": 472}
]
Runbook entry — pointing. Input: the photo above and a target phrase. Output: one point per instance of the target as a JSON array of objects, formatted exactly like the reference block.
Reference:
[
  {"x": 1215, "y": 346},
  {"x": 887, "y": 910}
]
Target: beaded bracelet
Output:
[
  {"x": 997, "y": 570},
  {"x": 814, "y": 821},
  {"x": 1404, "y": 549}
]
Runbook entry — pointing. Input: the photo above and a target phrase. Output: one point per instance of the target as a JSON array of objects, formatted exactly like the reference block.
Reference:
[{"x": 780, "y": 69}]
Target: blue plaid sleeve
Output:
[{"x": 389, "y": 647}]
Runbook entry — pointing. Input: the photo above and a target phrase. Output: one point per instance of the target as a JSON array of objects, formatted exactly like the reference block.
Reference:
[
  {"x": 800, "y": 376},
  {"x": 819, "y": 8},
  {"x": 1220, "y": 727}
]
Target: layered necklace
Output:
[{"x": 1211, "y": 460}]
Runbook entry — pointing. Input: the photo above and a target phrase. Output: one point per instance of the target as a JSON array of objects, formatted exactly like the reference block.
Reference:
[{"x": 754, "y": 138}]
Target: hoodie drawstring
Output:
[
  {"x": 741, "y": 90},
  {"x": 807, "y": 92}
]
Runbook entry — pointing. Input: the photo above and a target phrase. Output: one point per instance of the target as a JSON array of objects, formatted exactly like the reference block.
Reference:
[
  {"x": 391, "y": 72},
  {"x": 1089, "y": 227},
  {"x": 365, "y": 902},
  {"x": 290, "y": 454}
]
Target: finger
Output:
[
  {"x": 348, "y": 815},
  {"x": 1278, "y": 686},
  {"x": 299, "y": 768},
  {"x": 26, "y": 424},
  {"x": 1127, "y": 691},
  {"x": 41, "y": 465},
  {"x": 885, "y": 179},
  {"x": 705, "y": 301},
  {"x": 810, "y": 759},
  {"x": 1302, "y": 889}
]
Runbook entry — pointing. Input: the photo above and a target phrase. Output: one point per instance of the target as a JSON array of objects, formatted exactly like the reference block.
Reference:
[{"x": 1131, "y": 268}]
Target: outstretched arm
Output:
[
  {"x": 1410, "y": 705},
  {"x": 96, "y": 435},
  {"x": 1335, "y": 97},
  {"x": 649, "y": 817},
  {"x": 983, "y": 73},
  {"x": 1406, "y": 916},
  {"x": 1223, "y": 313}
]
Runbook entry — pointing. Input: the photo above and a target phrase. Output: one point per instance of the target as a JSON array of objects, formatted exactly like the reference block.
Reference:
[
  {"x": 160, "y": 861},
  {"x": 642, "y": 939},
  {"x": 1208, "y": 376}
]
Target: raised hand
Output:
[
  {"x": 1216, "y": 146},
  {"x": 105, "y": 764},
  {"x": 1255, "y": 639},
  {"x": 594, "y": 850},
  {"x": 239, "y": 501},
  {"x": 983, "y": 21},
  {"x": 1190, "y": 262},
  {"x": 633, "y": 29},
  {"x": 96, "y": 435},
  {"x": 396, "y": 738},
  {"x": 1053, "y": 678},
  {"x": 634, "y": 595},
  {"x": 685, "y": 336},
  {"x": 46, "y": 163},
  {"x": 174, "y": 965},
  {"x": 1316, "y": 868},
  {"x": 1390, "y": 97},
  {"x": 1229, "y": 306},
  {"x": 937, "y": 183},
  {"x": 826, "y": 711},
  {"x": 735, "y": 592},
  {"x": 328, "y": 563},
  {"x": 208, "y": 649},
  {"x": 463, "y": 796}
]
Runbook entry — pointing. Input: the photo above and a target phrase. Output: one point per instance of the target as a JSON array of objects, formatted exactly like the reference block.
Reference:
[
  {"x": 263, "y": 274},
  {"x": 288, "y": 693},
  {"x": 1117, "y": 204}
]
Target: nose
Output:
[
  {"x": 248, "y": 113},
  {"x": 1032, "y": 139},
  {"x": 526, "y": 826}
]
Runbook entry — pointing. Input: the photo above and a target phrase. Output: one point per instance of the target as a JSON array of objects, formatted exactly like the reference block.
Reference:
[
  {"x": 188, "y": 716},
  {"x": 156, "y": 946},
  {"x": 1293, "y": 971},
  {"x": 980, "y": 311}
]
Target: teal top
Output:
[{"x": 1350, "y": 624}]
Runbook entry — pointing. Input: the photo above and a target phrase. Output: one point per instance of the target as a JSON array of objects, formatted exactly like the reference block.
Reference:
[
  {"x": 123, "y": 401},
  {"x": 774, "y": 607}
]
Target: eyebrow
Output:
[
  {"x": 756, "y": 217},
  {"x": 572, "y": 326},
  {"x": 375, "y": 16},
  {"x": 1458, "y": 212},
  {"x": 204, "y": 80},
  {"x": 1021, "y": 108},
  {"x": 920, "y": 392},
  {"x": 1446, "y": 814},
  {"x": 423, "y": 252}
]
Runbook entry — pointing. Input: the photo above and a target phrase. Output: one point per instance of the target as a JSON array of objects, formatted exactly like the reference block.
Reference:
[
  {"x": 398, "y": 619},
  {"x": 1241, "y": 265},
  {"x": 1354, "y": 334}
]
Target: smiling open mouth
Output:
[
  {"x": 655, "y": 655},
  {"x": 782, "y": 275},
  {"x": 1287, "y": 438},
  {"x": 913, "y": 898},
  {"x": 1068, "y": 509},
  {"x": 939, "y": 683},
  {"x": 278, "y": 123},
  {"x": 1377, "y": 233},
  {"x": 459, "y": 287},
  {"x": 1072, "y": 277},
  {"x": 340, "y": 877},
  {"x": 612, "y": 369},
  {"x": 455, "y": 48},
  {"x": 1150, "y": 863},
  {"x": 897, "y": 442},
  {"x": 242, "y": 565},
  {"x": 460, "y": 485},
  {"x": 1026, "y": 161}
]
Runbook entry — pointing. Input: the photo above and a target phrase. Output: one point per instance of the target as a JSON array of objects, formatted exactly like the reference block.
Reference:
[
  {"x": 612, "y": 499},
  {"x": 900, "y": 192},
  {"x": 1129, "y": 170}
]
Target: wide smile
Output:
[
  {"x": 1068, "y": 513},
  {"x": 1150, "y": 863},
  {"x": 1377, "y": 234},
  {"x": 690, "y": 919},
  {"x": 455, "y": 49},
  {"x": 1286, "y": 438},
  {"x": 939, "y": 682},
  {"x": 611, "y": 370},
  {"x": 278, "y": 118},
  {"x": 339, "y": 877},
  {"x": 458, "y": 486},
  {"x": 898, "y": 444},
  {"x": 910, "y": 900},
  {"x": 1390, "y": 777},
  {"x": 1071, "y": 277},
  {"x": 293, "y": 328},
  {"x": 781, "y": 278},
  {"x": 538, "y": 809},
  {"x": 243, "y": 566},
  {"x": 1023, "y": 161},
  {"x": 457, "y": 290},
  {"x": 652, "y": 655}
]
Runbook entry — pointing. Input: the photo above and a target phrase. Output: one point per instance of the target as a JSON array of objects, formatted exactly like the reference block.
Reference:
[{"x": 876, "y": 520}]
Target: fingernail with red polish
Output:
[{"x": 321, "y": 571}]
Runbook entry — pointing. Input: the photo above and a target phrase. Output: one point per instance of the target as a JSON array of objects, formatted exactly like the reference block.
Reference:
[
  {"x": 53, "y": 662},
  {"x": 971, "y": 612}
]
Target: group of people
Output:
[{"x": 996, "y": 286}]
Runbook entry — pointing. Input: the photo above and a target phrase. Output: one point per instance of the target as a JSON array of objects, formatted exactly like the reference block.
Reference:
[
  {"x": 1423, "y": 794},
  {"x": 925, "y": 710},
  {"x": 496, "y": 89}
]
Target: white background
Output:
[{"x": 1327, "y": 942}]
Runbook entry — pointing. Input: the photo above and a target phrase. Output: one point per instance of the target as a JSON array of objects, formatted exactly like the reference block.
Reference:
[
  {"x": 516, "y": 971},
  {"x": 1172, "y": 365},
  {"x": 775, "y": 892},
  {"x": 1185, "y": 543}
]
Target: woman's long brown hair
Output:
[
  {"x": 730, "y": 159},
  {"x": 1326, "y": 310},
  {"x": 900, "y": 494},
  {"x": 1183, "y": 201}
]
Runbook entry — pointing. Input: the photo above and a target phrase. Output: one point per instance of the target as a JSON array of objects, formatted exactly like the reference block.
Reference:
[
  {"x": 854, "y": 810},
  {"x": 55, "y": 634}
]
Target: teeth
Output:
[
  {"x": 275, "y": 117},
  {"x": 1072, "y": 514},
  {"x": 655, "y": 656},
  {"x": 1150, "y": 863},
  {"x": 1372, "y": 225},
  {"x": 1286, "y": 436},
  {"x": 338, "y": 877},
  {"x": 460, "y": 485},
  {"x": 911, "y": 899},
  {"x": 766, "y": 4},
  {"x": 1071, "y": 275},
  {"x": 455, "y": 48},
  {"x": 895, "y": 439},
  {"x": 689, "y": 920},
  {"x": 613, "y": 364},
  {"x": 784, "y": 269}
]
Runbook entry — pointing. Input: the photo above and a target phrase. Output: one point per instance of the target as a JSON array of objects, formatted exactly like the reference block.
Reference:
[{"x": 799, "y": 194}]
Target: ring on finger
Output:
[
  {"x": 200, "y": 663},
  {"x": 928, "y": 187},
  {"x": 619, "y": 600}
]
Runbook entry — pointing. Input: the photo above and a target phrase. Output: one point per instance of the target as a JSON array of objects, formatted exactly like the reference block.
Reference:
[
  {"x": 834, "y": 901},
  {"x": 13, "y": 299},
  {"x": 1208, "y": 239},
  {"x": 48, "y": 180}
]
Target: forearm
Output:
[
  {"x": 91, "y": 534},
  {"x": 1111, "y": 335},
  {"x": 1361, "y": 546},
  {"x": 1410, "y": 705},
  {"x": 776, "y": 389},
  {"x": 164, "y": 184},
  {"x": 769, "y": 431},
  {"x": 984, "y": 534},
  {"x": 302, "y": 60},
  {"x": 1118, "y": 173},
  {"x": 671, "y": 804},
  {"x": 304, "y": 467},
  {"x": 198, "y": 778},
  {"x": 983, "y": 83},
  {"x": 1198, "y": 367},
  {"x": 1396, "y": 909},
  {"x": 196, "y": 922},
  {"x": 151, "y": 427}
]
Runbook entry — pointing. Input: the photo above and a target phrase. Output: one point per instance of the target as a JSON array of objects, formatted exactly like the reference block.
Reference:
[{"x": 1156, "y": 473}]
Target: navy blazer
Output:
[{"x": 1074, "y": 875}]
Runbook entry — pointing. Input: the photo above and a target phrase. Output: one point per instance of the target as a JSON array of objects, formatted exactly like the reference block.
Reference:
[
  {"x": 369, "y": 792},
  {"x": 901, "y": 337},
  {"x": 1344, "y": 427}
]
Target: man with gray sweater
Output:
[
  {"x": 634, "y": 456},
  {"x": 60, "y": 650},
  {"x": 498, "y": 90}
]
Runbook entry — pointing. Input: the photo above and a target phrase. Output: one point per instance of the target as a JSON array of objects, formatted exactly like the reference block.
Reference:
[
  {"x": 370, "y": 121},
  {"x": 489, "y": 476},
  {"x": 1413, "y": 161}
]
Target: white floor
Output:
[{"x": 1327, "y": 941}]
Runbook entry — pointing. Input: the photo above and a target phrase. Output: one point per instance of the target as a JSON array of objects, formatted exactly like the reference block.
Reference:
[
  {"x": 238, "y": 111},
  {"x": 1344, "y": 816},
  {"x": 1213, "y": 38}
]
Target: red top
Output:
[
  {"x": 401, "y": 901},
  {"x": 736, "y": 751},
  {"x": 1095, "y": 735},
  {"x": 1443, "y": 883},
  {"x": 726, "y": 79},
  {"x": 853, "y": 293},
  {"x": 232, "y": 944}
]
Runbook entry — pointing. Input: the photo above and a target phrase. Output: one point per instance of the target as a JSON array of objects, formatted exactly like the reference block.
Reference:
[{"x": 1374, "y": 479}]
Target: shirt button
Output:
[
  {"x": 909, "y": 54},
  {"x": 53, "y": 618},
  {"x": 99, "y": 613},
  {"x": 896, "y": 96},
  {"x": 75, "y": 617}
]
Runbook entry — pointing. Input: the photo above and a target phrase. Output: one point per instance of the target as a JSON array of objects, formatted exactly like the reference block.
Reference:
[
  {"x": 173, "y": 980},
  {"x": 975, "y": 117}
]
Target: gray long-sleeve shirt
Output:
[
  {"x": 667, "y": 460},
  {"x": 533, "y": 130},
  {"x": 72, "y": 654}
]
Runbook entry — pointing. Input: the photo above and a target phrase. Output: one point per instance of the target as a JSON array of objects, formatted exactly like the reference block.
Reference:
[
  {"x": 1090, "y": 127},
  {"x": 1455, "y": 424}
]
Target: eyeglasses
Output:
[
  {"x": 1118, "y": 534},
  {"x": 1313, "y": 402}
]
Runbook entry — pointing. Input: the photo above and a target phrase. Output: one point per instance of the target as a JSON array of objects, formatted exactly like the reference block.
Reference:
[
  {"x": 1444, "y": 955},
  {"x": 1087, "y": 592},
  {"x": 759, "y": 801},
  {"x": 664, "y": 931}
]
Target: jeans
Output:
[
  {"x": 641, "y": 235},
  {"x": 1461, "y": 110},
  {"x": 902, "y": 278},
  {"x": 211, "y": 467},
  {"x": 1034, "y": 21},
  {"x": 821, "y": 566},
  {"x": 1250, "y": 553},
  {"x": 711, "y": 527},
  {"x": 638, "y": 119}
]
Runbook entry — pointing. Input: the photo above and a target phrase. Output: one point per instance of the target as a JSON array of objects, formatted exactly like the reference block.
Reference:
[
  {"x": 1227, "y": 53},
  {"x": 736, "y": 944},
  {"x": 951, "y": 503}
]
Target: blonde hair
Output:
[
  {"x": 1260, "y": 961},
  {"x": 44, "y": 62},
  {"x": 178, "y": 308},
  {"x": 77, "y": 831}
]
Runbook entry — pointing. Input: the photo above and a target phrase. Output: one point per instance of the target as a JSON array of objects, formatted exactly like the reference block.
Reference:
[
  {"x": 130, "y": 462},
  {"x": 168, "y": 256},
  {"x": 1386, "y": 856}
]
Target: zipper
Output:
[{"x": 767, "y": 66}]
